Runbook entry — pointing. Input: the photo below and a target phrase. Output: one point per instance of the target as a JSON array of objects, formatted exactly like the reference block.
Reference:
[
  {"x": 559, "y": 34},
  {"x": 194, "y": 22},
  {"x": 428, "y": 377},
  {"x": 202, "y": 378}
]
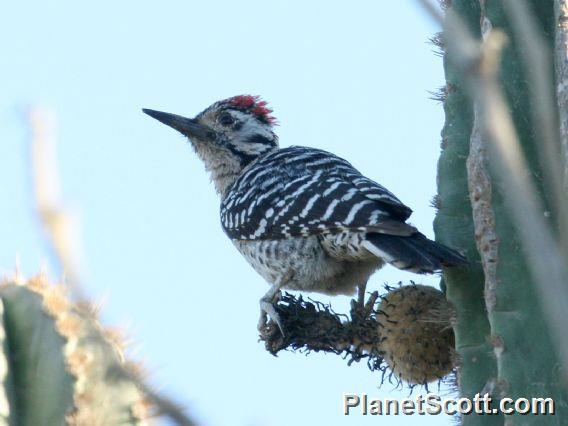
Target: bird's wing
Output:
[{"x": 300, "y": 191}]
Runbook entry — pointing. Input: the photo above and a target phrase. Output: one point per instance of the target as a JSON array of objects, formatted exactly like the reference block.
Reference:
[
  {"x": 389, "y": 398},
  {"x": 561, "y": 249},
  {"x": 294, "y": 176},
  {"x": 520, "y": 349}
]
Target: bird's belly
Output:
[{"x": 310, "y": 267}]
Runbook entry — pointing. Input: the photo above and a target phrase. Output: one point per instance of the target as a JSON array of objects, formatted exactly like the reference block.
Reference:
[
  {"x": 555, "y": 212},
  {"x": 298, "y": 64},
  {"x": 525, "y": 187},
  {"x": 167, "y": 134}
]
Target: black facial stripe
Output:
[
  {"x": 263, "y": 140},
  {"x": 244, "y": 158},
  {"x": 265, "y": 145}
]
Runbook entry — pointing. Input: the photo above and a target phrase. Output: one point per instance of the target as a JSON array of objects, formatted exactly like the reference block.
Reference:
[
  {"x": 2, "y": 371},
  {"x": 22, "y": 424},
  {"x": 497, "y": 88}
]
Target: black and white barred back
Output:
[{"x": 305, "y": 192}]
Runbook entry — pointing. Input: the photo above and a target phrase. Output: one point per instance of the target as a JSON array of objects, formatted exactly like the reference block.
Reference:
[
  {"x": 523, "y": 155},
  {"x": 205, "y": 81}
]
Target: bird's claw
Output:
[
  {"x": 361, "y": 308},
  {"x": 269, "y": 301},
  {"x": 268, "y": 309}
]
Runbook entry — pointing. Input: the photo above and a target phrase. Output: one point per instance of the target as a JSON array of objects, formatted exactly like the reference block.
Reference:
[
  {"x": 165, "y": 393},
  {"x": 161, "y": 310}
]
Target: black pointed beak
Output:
[{"x": 187, "y": 126}]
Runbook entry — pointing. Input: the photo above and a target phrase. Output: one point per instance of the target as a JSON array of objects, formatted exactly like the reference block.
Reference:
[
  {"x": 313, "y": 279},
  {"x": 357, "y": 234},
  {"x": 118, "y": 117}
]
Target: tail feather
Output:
[{"x": 415, "y": 252}]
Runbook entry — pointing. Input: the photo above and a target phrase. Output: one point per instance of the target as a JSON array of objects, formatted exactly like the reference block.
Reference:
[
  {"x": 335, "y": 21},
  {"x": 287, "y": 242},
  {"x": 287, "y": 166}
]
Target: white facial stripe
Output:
[
  {"x": 250, "y": 148},
  {"x": 251, "y": 126}
]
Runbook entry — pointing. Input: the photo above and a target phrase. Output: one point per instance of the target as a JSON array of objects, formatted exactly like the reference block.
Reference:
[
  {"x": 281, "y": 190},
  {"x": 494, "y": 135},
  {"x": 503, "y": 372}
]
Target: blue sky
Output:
[{"x": 352, "y": 79}]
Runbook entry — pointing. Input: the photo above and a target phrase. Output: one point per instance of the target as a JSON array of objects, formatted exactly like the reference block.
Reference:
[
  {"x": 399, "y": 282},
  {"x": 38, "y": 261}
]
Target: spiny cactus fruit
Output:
[
  {"x": 417, "y": 336},
  {"x": 58, "y": 365}
]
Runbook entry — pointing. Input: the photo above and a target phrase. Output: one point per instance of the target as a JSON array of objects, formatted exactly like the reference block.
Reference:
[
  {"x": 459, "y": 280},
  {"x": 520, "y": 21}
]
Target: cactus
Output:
[
  {"x": 58, "y": 365},
  {"x": 504, "y": 344}
]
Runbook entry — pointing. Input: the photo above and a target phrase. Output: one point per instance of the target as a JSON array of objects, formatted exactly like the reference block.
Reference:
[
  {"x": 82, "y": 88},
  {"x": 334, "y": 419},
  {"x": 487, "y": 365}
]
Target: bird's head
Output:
[{"x": 228, "y": 135}]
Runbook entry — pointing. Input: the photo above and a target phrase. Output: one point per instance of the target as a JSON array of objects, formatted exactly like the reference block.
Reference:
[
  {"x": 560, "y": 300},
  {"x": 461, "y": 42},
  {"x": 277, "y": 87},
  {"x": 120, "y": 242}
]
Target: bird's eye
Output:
[{"x": 226, "y": 119}]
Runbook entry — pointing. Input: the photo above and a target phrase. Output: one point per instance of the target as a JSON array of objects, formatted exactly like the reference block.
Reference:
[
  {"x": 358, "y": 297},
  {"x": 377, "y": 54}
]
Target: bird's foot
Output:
[
  {"x": 268, "y": 304},
  {"x": 361, "y": 294},
  {"x": 361, "y": 309},
  {"x": 268, "y": 310}
]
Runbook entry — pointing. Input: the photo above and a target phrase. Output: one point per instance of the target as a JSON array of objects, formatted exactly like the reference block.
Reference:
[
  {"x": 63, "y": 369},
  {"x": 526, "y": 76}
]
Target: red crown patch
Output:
[{"x": 254, "y": 105}]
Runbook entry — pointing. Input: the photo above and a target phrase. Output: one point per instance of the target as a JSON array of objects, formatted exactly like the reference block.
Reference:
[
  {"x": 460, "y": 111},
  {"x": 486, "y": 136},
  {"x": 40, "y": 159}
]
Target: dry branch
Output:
[{"x": 62, "y": 234}]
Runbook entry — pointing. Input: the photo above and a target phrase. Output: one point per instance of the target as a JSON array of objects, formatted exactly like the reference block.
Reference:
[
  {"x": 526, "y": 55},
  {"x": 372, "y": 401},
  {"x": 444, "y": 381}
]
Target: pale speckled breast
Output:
[{"x": 311, "y": 266}]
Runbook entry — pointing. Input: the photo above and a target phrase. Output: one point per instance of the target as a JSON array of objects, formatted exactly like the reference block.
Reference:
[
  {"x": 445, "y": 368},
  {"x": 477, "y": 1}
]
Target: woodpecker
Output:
[{"x": 303, "y": 218}]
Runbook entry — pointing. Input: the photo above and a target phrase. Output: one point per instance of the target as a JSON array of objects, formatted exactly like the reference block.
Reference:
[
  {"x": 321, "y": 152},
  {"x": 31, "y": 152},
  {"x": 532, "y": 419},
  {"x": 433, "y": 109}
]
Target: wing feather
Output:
[{"x": 300, "y": 191}]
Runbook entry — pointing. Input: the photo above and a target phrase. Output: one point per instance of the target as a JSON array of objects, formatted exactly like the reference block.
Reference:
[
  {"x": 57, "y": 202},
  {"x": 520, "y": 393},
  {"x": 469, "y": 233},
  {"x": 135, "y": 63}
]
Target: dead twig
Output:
[{"x": 62, "y": 234}]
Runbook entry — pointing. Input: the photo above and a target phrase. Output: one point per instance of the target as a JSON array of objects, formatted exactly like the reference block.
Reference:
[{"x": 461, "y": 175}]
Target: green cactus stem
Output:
[
  {"x": 502, "y": 338},
  {"x": 58, "y": 365},
  {"x": 453, "y": 226}
]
